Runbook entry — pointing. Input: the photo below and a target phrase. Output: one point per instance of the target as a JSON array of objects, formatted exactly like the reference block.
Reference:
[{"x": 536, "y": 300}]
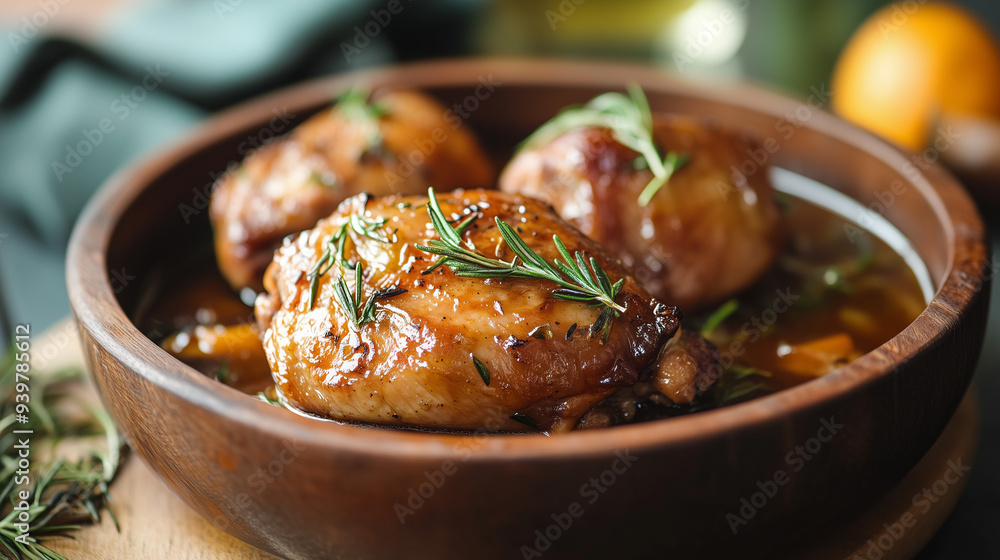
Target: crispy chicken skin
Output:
[
  {"x": 413, "y": 364},
  {"x": 708, "y": 233},
  {"x": 287, "y": 185}
]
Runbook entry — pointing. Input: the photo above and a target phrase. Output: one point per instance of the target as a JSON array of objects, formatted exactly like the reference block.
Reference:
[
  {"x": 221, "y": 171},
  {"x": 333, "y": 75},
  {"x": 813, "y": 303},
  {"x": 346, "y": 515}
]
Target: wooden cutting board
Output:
[{"x": 156, "y": 524}]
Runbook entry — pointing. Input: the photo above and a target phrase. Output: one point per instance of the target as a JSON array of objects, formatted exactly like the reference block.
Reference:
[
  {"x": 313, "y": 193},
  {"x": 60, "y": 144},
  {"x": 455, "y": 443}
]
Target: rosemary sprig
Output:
[
  {"x": 630, "y": 120},
  {"x": 63, "y": 494},
  {"x": 576, "y": 281},
  {"x": 354, "y": 105},
  {"x": 358, "y": 311},
  {"x": 334, "y": 252}
]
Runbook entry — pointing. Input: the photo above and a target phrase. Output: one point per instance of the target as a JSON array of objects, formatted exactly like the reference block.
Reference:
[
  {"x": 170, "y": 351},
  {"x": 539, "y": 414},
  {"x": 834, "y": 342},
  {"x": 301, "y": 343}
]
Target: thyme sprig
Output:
[
  {"x": 630, "y": 120},
  {"x": 576, "y": 280},
  {"x": 358, "y": 311}
]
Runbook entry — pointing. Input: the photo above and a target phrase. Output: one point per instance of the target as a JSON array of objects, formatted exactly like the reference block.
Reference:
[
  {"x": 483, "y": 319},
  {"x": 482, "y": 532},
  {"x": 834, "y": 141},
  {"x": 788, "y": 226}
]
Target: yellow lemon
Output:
[{"x": 912, "y": 62}]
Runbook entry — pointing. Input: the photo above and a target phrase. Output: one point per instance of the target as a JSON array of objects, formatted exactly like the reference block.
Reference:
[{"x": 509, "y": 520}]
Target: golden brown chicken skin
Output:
[
  {"x": 706, "y": 234},
  {"x": 413, "y": 363},
  {"x": 399, "y": 143}
]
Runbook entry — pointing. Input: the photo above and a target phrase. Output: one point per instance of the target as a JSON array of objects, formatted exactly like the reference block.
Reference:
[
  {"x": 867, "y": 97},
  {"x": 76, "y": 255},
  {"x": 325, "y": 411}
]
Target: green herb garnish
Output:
[
  {"x": 222, "y": 374},
  {"x": 577, "y": 282},
  {"x": 483, "y": 372},
  {"x": 354, "y": 105},
  {"x": 324, "y": 178},
  {"x": 334, "y": 252},
  {"x": 718, "y": 316},
  {"x": 526, "y": 420},
  {"x": 630, "y": 120},
  {"x": 358, "y": 311},
  {"x": 262, "y": 396},
  {"x": 742, "y": 383}
]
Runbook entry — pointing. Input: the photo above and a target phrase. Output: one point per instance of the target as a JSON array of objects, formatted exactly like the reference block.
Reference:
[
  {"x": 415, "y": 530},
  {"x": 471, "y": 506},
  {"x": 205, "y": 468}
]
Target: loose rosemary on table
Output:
[
  {"x": 63, "y": 494},
  {"x": 630, "y": 121},
  {"x": 576, "y": 281}
]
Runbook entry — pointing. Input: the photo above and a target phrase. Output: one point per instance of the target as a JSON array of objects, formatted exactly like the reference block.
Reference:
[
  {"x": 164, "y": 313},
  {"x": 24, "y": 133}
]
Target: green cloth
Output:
[
  {"x": 156, "y": 70},
  {"x": 72, "y": 113}
]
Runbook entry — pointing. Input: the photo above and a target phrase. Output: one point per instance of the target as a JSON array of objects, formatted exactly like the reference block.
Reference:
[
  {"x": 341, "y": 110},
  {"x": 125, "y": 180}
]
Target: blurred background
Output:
[{"x": 153, "y": 69}]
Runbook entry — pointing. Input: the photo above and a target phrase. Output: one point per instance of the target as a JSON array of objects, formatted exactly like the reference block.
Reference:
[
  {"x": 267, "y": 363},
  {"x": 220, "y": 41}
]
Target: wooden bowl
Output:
[{"x": 743, "y": 480}]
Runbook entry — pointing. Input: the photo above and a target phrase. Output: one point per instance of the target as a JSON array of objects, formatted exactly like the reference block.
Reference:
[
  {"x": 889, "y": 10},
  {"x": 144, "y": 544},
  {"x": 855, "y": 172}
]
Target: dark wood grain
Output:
[{"x": 333, "y": 488}]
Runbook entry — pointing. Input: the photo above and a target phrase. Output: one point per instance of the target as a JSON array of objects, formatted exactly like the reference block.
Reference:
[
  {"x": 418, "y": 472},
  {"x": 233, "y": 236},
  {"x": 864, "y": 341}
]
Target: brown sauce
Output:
[{"x": 828, "y": 300}]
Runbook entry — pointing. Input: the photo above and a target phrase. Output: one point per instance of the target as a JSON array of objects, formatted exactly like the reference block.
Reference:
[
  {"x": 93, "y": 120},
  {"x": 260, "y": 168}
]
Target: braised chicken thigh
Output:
[
  {"x": 362, "y": 322},
  {"x": 705, "y": 234},
  {"x": 399, "y": 143}
]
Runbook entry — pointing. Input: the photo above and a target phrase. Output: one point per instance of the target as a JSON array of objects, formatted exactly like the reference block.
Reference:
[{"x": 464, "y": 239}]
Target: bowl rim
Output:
[{"x": 99, "y": 313}]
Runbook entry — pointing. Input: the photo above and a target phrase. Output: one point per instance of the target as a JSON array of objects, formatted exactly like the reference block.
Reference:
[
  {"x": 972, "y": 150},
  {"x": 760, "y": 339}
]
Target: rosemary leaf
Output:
[
  {"x": 483, "y": 372},
  {"x": 526, "y": 420}
]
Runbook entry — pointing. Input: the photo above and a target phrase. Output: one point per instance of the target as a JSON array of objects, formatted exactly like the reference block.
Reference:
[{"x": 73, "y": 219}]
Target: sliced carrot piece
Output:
[{"x": 817, "y": 357}]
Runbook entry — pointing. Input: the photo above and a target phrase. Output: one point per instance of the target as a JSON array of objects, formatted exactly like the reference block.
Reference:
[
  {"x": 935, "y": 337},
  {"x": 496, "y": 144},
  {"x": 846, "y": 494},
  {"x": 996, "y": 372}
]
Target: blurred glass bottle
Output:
[
  {"x": 787, "y": 43},
  {"x": 595, "y": 28}
]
